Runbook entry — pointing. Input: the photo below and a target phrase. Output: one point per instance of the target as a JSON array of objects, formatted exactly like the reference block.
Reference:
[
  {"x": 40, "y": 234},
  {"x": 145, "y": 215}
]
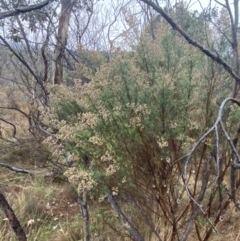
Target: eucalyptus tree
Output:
[{"x": 68, "y": 8}]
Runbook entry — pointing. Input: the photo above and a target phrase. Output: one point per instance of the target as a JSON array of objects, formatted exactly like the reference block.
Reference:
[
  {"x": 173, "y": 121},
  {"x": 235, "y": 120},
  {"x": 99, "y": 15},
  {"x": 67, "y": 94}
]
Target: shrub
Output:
[{"x": 127, "y": 128}]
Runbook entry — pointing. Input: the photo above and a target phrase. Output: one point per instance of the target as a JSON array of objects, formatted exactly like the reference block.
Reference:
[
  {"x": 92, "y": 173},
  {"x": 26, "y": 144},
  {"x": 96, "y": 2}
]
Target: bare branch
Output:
[
  {"x": 13, "y": 108},
  {"x": 9, "y": 123},
  {"x": 12, "y": 218},
  {"x": 234, "y": 166},
  {"x": 15, "y": 169},
  {"x": 220, "y": 31},
  {"x": 37, "y": 78},
  {"x": 44, "y": 131},
  {"x": 223, "y": 5},
  {"x": 26, "y": 9},
  {"x": 147, "y": 220}
]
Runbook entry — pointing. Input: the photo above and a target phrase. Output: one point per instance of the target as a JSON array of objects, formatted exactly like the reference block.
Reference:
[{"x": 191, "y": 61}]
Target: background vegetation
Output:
[{"x": 111, "y": 137}]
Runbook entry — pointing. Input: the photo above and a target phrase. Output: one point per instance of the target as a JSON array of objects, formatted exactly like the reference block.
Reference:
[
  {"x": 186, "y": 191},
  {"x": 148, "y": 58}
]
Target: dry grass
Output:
[
  {"x": 56, "y": 215},
  {"x": 228, "y": 229},
  {"x": 52, "y": 209}
]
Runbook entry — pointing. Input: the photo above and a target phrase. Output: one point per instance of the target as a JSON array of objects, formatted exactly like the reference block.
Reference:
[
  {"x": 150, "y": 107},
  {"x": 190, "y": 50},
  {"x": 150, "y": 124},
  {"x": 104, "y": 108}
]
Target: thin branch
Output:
[
  {"x": 46, "y": 132},
  {"x": 229, "y": 12},
  {"x": 203, "y": 137},
  {"x": 37, "y": 78},
  {"x": 11, "y": 124},
  {"x": 13, "y": 108},
  {"x": 147, "y": 220},
  {"x": 223, "y": 5},
  {"x": 220, "y": 31},
  {"x": 198, "y": 206}
]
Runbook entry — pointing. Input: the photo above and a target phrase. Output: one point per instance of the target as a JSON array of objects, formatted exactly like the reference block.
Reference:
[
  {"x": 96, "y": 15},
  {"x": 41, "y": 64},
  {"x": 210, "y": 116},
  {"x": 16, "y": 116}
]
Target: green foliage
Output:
[
  {"x": 143, "y": 100},
  {"x": 140, "y": 113},
  {"x": 67, "y": 110}
]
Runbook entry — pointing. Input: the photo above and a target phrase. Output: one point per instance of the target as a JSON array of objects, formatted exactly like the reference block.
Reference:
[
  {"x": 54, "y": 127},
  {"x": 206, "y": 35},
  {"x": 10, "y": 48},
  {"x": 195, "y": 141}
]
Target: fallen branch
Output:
[
  {"x": 31, "y": 173},
  {"x": 15, "y": 169}
]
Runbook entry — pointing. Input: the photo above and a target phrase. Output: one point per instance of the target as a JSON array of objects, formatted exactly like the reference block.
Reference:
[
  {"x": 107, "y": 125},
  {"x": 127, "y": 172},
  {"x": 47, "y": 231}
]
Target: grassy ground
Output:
[{"x": 48, "y": 211}]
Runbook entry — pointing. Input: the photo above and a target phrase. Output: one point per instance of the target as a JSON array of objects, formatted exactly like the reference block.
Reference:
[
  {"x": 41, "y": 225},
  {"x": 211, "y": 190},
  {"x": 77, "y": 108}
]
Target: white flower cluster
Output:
[
  {"x": 111, "y": 164},
  {"x": 162, "y": 143},
  {"x": 80, "y": 178}
]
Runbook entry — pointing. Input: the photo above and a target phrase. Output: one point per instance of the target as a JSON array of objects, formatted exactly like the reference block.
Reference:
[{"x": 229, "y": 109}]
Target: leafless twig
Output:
[{"x": 234, "y": 166}]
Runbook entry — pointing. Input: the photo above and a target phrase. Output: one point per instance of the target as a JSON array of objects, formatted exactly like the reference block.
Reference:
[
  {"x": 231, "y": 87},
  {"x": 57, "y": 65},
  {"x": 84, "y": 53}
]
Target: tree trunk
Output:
[
  {"x": 63, "y": 27},
  {"x": 82, "y": 201},
  {"x": 234, "y": 25}
]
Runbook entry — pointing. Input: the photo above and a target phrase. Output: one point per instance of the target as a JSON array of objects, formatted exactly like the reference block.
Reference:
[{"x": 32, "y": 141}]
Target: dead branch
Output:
[
  {"x": 198, "y": 207},
  {"x": 38, "y": 79},
  {"x": 214, "y": 127},
  {"x": 25, "y": 9},
  {"x": 146, "y": 218},
  {"x": 13, "y": 221},
  {"x": 15, "y": 169},
  {"x": 13, "y": 108},
  {"x": 44, "y": 131}
]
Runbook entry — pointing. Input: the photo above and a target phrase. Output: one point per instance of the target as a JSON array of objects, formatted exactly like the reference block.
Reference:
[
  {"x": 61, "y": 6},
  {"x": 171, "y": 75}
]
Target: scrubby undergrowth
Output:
[{"x": 127, "y": 131}]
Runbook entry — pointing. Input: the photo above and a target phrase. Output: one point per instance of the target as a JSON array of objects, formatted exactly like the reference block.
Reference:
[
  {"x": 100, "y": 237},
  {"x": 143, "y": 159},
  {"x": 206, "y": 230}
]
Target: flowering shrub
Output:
[{"x": 127, "y": 128}]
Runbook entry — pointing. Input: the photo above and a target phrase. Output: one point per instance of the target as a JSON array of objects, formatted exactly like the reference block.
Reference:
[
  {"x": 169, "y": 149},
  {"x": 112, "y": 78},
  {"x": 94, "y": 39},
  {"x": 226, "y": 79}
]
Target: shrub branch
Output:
[{"x": 234, "y": 165}]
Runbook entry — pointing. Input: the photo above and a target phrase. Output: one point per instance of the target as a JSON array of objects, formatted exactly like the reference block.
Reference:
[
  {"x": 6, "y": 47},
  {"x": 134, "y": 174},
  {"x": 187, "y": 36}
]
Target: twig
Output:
[{"x": 11, "y": 124}]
